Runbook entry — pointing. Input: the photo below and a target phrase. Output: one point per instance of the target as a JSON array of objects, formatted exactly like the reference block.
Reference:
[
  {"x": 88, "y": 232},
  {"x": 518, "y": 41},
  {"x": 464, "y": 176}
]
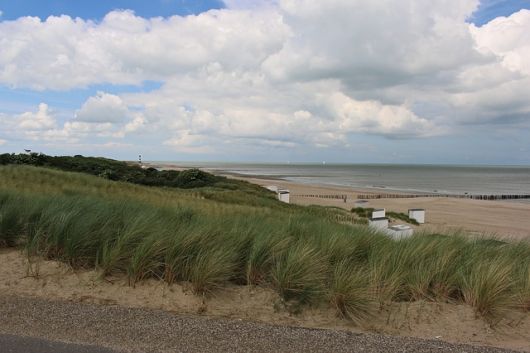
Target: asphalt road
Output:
[{"x": 20, "y": 344}]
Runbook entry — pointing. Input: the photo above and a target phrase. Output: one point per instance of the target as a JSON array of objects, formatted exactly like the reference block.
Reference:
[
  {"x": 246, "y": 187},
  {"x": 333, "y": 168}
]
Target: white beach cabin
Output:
[
  {"x": 378, "y": 213},
  {"x": 378, "y": 223},
  {"x": 378, "y": 220},
  {"x": 283, "y": 195},
  {"x": 400, "y": 231},
  {"x": 417, "y": 214}
]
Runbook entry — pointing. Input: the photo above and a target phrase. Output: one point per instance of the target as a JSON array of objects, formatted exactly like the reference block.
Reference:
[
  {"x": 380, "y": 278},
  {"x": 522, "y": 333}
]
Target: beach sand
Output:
[{"x": 507, "y": 219}]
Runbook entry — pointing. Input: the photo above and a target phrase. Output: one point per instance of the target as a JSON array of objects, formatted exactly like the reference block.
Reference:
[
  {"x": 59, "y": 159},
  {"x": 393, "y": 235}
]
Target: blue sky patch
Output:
[
  {"x": 490, "y": 9},
  {"x": 96, "y": 10}
]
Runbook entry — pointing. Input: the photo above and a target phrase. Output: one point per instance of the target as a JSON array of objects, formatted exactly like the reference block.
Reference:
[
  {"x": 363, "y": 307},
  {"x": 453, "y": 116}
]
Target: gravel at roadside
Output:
[
  {"x": 139, "y": 330},
  {"x": 23, "y": 344}
]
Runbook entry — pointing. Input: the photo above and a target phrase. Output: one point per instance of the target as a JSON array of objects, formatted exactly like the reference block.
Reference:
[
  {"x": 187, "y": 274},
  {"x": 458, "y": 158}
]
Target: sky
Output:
[{"x": 345, "y": 81}]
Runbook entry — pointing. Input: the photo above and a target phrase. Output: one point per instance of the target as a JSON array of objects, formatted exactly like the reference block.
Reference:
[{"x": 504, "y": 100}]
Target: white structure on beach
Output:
[
  {"x": 283, "y": 195},
  {"x": 378, "y": 220},
  {"x": 378, "y": 223},
  {"x": 417, "y": 214},
  {"x": 400, "y": 231},
  {"x": 378, "y": 213}
]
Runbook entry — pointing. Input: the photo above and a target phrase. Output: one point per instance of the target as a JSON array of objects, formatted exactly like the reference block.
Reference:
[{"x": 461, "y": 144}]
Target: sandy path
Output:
[
  {"x": 140, "y": 330},
  {"x": 503, "y": 218}
]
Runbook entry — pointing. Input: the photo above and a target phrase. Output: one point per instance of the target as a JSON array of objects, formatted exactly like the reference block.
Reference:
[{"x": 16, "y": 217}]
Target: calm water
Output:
[{"x": 418, "y": 178}]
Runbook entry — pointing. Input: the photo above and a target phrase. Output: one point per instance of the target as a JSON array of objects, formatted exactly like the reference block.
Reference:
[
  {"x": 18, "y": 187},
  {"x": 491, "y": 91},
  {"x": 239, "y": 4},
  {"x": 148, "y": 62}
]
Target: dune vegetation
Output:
[
  {"x": 123, "y": 171},
  {"x": 219, "y": 234}
]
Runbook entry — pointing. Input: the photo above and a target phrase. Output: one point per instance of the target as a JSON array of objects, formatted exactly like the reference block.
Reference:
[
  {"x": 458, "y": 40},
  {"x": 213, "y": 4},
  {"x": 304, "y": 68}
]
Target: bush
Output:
[{"x": 194, "y": 178}]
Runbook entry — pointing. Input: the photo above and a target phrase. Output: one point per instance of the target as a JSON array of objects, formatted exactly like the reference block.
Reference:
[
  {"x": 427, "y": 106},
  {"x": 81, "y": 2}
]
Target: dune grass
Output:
[
  {"x": 212, "y": 237},
  {"x": 350, "y": 292},
  {"x": 299, "y": 273},
  {"x": 524, "y": 292},
  {"x": 488, "y": 286}
]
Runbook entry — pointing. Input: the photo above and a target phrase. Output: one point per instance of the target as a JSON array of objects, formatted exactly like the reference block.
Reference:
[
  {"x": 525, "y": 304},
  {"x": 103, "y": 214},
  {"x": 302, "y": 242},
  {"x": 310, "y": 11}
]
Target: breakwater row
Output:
[
  {"x": 410, "y": 196},
  {"x": 473, "y": 197},
  {"x": 337, "y": 197}
]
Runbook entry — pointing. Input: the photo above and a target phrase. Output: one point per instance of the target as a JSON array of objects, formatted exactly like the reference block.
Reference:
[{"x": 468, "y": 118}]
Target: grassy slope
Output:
[
  {"x": 128, "y": 172},
  {"x": 210, "y": 236}
]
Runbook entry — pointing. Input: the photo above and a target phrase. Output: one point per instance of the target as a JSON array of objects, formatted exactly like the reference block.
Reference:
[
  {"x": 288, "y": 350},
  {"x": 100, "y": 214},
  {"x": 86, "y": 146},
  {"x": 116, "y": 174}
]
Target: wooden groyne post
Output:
[
  {"x": 472, "y": 197},
  {"x": 320, "y": 196}
]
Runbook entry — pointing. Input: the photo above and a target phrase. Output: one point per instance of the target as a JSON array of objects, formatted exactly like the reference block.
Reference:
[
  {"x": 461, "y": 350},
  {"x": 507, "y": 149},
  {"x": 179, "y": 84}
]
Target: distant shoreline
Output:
[
  {"x": 272, "y": 179},
  {"x": 374, "y": 189},
  {"x": 503, "y": 218}
]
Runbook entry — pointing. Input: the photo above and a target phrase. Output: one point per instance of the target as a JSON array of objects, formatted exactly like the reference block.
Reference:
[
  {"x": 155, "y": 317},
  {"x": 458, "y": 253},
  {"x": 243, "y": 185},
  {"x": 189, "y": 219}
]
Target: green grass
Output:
[
  {"x": 350, "y": 292},
  {"x": 488, "y": 287},
  {"x": 211, "y": 237},
  {"x": 299, "y": 273},
  {"x": 524, "y": 290}
]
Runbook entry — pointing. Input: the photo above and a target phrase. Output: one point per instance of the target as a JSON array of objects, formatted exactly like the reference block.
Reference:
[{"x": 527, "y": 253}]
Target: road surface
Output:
[
  {"x": 155, "y": 331},
  {"x": 20, "y": 344}
]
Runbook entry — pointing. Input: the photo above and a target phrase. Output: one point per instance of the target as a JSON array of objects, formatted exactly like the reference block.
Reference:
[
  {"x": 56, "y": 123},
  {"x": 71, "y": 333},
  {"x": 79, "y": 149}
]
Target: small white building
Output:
[
  {"x": 283, "y": 195},
  {"x": 417, "y": 214},
  {"x": 378, "y": 213},
  {"x": 272, "y": 188},
  {"x": 400, "y": 231},
  {"x": 378, "y": 223}
]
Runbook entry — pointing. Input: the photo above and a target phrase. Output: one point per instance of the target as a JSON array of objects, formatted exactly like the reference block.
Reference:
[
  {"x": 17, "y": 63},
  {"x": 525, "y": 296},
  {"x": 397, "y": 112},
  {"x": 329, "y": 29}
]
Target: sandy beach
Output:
[{"x": 507, "y": 219}]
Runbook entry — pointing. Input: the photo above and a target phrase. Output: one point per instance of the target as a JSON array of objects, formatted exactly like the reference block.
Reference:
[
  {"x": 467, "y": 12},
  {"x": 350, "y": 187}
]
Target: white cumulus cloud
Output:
[
  {"x": 275, "y": 74},
  {"x": 507, "y": 38},
  {"x": 64, "y": 53},
  {"x": 103, "y": 108},
  {"x": 39, "y": 120}
]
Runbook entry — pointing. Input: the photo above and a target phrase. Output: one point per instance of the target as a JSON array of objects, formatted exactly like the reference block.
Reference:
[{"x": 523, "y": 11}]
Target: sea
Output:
[{"x": 443, "y": 179}]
